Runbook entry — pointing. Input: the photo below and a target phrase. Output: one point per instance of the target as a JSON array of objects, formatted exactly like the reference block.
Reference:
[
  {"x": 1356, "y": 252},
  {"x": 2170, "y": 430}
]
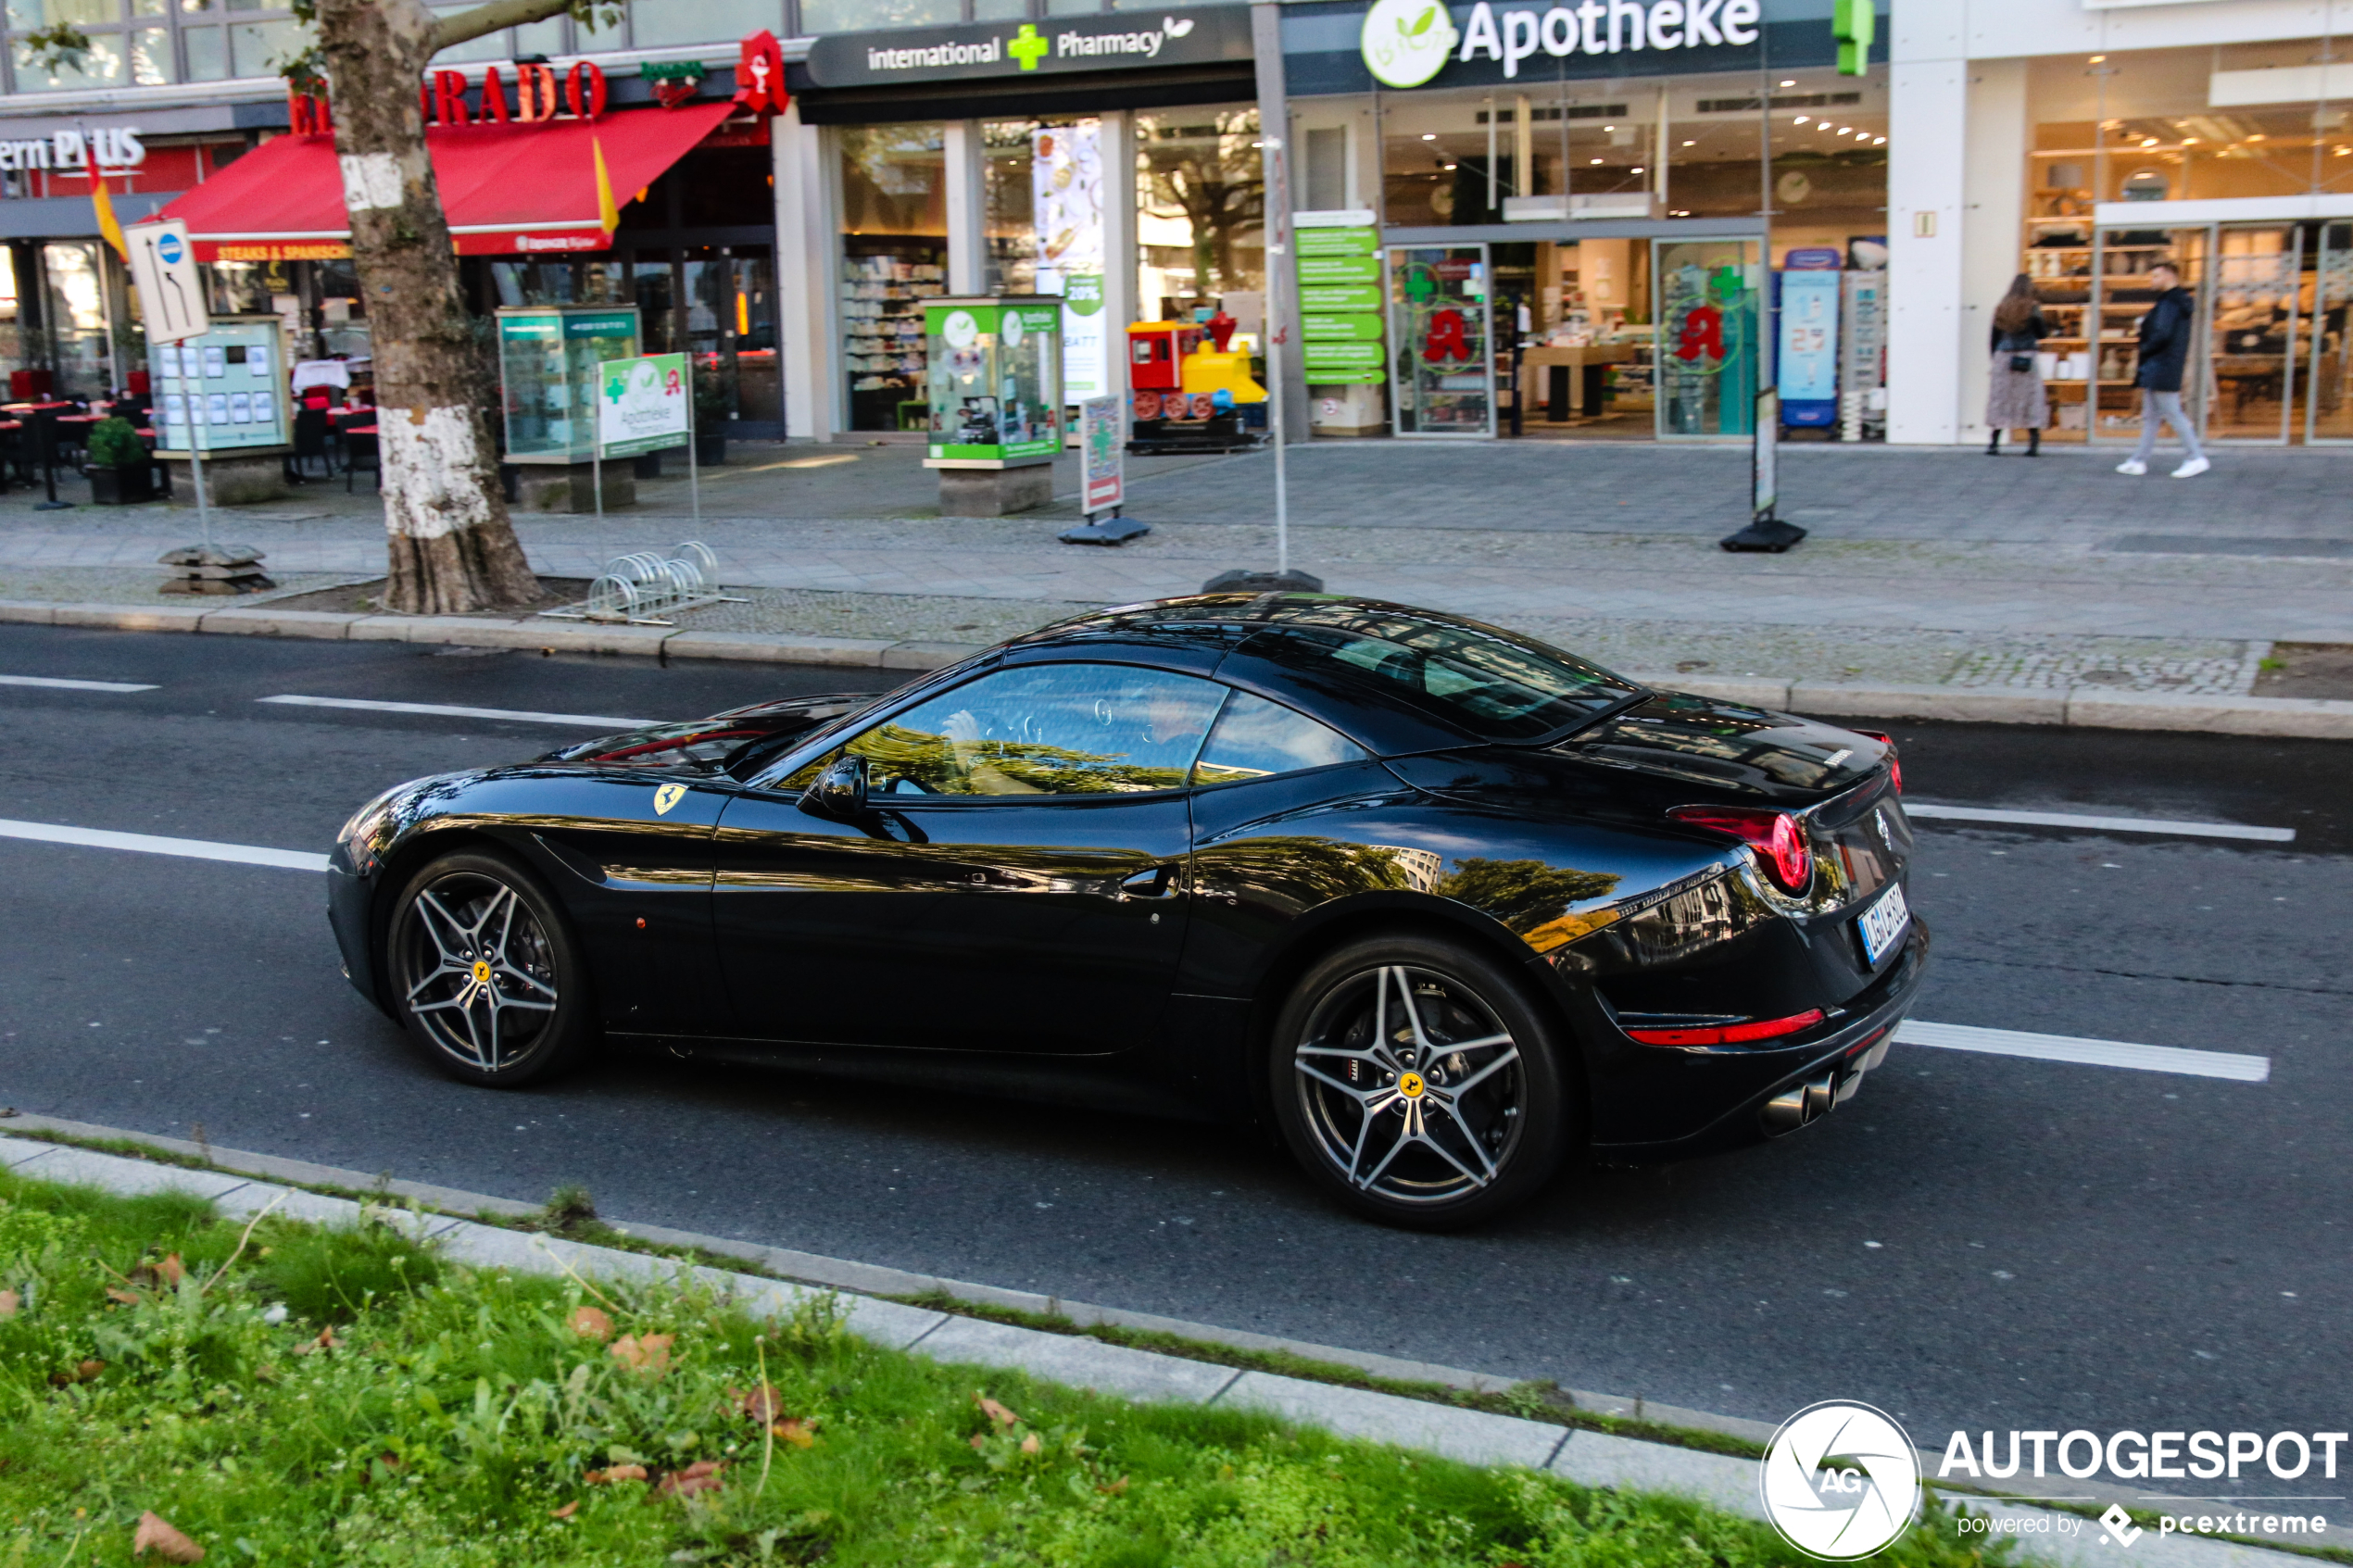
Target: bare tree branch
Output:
[{"x": 461, "y": 27}]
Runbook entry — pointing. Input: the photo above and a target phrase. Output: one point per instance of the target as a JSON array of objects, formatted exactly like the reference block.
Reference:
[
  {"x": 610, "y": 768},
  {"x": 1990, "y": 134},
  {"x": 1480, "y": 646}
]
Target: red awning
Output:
[{"x": 508, "y": 190}]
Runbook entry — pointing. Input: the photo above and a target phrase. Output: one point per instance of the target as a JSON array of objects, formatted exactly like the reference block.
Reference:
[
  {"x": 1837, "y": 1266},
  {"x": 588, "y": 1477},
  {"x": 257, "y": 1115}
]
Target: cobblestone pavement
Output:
[{"x": 1925, "y": 565}]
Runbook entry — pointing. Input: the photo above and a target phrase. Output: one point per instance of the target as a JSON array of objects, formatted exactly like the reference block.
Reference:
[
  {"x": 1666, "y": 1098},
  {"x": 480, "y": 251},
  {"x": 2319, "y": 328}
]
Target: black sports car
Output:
[{"x": 1442, "y": 904}]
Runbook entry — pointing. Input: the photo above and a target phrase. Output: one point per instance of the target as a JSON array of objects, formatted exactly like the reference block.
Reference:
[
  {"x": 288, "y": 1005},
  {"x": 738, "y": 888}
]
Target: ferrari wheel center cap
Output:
[
  {"x": 1410, "y": 1085},
  {"x": 481, "y": 972}
]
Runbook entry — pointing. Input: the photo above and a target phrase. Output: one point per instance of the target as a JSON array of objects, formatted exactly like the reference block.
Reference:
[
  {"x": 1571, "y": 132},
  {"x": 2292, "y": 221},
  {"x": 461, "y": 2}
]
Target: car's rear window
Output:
[{"x": 1496, "y": 684}]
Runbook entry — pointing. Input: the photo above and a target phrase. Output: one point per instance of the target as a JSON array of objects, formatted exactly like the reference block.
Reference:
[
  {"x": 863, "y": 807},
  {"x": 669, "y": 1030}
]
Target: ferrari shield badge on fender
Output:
[{"x": 666, "y": 797}]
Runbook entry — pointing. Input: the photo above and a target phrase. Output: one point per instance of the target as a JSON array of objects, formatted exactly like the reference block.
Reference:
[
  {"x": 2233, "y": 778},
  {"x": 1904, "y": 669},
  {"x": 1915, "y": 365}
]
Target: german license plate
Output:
[{"x": 1883, "y": 924}]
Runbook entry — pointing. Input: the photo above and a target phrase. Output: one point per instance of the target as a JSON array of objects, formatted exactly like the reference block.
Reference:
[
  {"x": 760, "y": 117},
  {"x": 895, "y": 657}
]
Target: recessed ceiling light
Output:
[
  {"x": 1791, "y": 83},
  {"x": 1638, "y": 171},
  {"x": 2099, "y": 60},
  {"x": 1879, "y": 141},
  {"x": 1429, "y": 135},
  {"x": 1691, "y": 143},
  {"x": 1597, "y": 160},
  {"x": 1609, "y": 127},
  {"x": 1801, "y": 119}
]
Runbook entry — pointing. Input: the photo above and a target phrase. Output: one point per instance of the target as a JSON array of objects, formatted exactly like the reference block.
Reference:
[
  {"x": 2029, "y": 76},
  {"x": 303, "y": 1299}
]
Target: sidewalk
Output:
[{"x": 1926, "y": 568}]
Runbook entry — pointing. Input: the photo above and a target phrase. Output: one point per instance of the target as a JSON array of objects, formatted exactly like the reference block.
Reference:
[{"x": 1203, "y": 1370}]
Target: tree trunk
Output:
[{"x": 452, "y": 546}]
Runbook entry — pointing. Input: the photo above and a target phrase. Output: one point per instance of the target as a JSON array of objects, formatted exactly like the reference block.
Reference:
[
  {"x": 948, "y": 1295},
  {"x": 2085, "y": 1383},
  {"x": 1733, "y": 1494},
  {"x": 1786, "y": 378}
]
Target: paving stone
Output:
[{"x": 1597, "y": 1458}]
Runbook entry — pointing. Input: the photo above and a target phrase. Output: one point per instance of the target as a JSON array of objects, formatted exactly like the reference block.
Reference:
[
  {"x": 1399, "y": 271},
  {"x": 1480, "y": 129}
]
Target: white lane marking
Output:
[
  {"x": 2104, "y": 824},
  {"x": 2091, "y": 1053},
  {"x": 151, "y": 844},
  {"x": 64, "y": 685},
  {"x": 449, "y": 710}
]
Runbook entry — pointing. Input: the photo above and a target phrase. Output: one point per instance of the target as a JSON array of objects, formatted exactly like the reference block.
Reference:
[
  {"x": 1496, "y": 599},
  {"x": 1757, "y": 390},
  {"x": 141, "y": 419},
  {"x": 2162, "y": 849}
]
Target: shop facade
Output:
[
  {"x": 2096, "y": 140},
  {"x": 1568, "y": 192}
]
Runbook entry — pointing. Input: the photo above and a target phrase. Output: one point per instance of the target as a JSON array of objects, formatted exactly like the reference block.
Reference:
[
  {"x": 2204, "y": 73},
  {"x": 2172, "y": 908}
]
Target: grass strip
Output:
[{"x": 301, "y": 1395}]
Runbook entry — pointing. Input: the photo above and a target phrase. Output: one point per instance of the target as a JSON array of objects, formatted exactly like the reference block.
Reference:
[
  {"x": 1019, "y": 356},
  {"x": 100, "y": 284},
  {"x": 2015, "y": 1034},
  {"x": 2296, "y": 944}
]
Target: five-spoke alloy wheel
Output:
[
  {"x": 483, "y": 972},
  {"x": 1415, "y": 1079}
]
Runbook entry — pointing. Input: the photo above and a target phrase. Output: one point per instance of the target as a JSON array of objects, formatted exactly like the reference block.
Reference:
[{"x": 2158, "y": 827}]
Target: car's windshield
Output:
[{"x": 1494, "y": 683}]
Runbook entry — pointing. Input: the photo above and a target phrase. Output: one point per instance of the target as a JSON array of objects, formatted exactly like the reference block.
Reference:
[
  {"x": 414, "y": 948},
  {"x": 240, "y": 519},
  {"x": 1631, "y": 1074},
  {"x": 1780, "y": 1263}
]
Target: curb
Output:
[
  {"x": 2274, "y": 716},
  {"x": 1584, "y": 1457}
]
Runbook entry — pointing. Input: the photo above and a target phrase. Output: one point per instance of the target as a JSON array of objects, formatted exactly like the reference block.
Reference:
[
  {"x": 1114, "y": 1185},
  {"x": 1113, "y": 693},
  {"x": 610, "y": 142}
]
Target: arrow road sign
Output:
[{"x": 163, "y": 265}]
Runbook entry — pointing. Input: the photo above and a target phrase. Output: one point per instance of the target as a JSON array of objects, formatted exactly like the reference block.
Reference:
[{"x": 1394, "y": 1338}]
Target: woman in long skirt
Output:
[{"x": 2015, "y": 399}]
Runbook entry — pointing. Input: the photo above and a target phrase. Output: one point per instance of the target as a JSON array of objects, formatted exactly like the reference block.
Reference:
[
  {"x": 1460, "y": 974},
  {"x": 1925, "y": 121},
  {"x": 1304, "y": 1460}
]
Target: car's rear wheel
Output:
[
  {"x": 485, "y": 974},
  {"x": 1419, "y": 1083}
]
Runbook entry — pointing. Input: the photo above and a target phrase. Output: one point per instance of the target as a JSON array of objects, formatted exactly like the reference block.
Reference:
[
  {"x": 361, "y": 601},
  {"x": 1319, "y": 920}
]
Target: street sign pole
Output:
[
  {"x": 163, "y": 265},
  {"x": 694, "y": 465}
]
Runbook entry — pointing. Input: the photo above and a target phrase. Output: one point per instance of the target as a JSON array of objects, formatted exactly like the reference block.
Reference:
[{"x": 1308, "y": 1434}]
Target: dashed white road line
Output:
[
  {"x": 58, "y": 684},
  {"x": 449, "y": 710},
  {"x": 2100, "y": 823},
  {"x": 2090, "y": 1053},
  {"x": 152, "y": 844}
]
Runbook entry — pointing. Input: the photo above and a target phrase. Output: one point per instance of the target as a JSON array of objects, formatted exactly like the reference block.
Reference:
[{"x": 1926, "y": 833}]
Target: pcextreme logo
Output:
[
  {"x": 1841, "y": 1481},
  {"x": 1407, "y": 41}
]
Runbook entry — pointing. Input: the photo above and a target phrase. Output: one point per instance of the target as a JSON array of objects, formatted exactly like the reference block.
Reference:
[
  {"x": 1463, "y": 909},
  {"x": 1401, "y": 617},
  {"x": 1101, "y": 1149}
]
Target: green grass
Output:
[{"x": 302, "y": 1396}]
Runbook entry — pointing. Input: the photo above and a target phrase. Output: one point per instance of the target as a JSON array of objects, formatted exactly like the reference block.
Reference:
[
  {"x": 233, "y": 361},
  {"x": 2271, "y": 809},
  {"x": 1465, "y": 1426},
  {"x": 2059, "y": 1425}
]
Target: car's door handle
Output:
[{"x": 1157, "y": 883}]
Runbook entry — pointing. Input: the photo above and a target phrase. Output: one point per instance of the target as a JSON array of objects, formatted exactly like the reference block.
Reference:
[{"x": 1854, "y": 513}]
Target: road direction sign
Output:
[{"x": 171, "y": 299}]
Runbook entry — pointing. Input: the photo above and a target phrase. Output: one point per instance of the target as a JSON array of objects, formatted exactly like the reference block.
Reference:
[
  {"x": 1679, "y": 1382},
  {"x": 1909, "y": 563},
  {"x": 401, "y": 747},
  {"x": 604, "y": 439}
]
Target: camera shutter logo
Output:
[{"x": 1841, "y": 1480}]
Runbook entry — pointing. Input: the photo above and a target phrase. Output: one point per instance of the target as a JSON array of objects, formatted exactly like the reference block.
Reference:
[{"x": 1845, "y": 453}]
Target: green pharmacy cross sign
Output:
[{"x": 1027, "y": 47}]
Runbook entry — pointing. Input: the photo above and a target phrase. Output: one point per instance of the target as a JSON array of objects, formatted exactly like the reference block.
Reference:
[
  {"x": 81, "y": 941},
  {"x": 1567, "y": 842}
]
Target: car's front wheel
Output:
[
  {"x": 1419, "y": 1083},
  {"x": 485, "y": 972}
]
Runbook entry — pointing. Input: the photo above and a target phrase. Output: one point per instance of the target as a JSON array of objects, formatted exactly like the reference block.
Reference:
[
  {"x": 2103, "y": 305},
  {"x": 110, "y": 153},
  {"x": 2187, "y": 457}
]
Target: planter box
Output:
[{"x": 121, "y": 487}]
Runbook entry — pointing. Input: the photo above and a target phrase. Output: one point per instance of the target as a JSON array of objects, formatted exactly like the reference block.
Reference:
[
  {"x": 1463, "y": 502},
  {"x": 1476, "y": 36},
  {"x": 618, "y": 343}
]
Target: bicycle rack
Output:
[{"x": 638, "y": 589}]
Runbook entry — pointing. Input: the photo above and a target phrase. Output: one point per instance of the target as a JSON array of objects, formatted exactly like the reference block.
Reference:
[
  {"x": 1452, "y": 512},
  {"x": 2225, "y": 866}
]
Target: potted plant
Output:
[
  {"x": 712, "y": 408},
  {"x": 121, "y": 470}
]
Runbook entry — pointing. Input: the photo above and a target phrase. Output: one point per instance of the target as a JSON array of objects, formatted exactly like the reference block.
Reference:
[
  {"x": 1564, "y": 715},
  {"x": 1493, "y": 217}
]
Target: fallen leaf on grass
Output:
[
  {"x": 566, "y": 1511},
  {"x": 648, "y": 1354},
  {"x": 10, "y": 1302},
  {"x": 591, "y": 1322},
  {"x": 1116, "y": 1488},
  {"x": 799, "y": 1433},
  {"x": 763, "y": 1404},
  {"x": 156, "y": 1536},
  {"x": 994, "y": 1411},
  {"x": 700, "y": 1476},
  {"x": 127, "y": 1297},
  {"x": 326, "y": 1341},
  {"x": 1029, "y": 1443},
  {"x": 171, "y": 1271},
  {"x": 82, "y": 1372},
  {"x": 616, "y": 1473},
  {"x": 980, "y": 1441}
]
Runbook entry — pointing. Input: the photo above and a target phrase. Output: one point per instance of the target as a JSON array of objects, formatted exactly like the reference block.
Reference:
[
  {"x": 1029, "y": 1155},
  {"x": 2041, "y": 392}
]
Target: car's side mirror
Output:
[{"x": 840, "y": 791}]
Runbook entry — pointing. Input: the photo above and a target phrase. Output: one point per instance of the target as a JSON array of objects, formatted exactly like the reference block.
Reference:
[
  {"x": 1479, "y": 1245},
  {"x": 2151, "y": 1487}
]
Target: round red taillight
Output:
[{"x": 1776, "y": 838}]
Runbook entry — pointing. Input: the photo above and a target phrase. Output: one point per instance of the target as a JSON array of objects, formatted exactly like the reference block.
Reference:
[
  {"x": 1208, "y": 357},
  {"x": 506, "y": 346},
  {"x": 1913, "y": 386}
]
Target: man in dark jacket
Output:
[{"x": 2166, "y": 334}]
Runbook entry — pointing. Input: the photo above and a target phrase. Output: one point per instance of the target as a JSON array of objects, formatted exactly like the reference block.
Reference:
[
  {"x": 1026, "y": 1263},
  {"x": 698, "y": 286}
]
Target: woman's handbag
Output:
[{"x": 2021, "y": 363}]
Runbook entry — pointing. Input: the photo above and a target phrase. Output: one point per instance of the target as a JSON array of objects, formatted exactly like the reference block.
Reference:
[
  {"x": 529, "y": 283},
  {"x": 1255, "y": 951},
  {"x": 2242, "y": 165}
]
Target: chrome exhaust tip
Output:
[{"x": 1809, "y": 1101}]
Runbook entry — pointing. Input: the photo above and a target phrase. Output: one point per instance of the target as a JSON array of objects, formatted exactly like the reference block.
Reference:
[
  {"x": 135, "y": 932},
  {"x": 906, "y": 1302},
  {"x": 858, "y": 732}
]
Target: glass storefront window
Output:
[
  {"x": 1439, "y": 323},
  {"x": 1201, "y": 199},
  {"x": 207, "y": 54},
  {"x": 894, "y": 256},
  {"x": 655, "y": 22},
  {"x": 855, "y": 16},
  {"x": 76, "y": 307},
  {"x": 1709, "y": 328}
]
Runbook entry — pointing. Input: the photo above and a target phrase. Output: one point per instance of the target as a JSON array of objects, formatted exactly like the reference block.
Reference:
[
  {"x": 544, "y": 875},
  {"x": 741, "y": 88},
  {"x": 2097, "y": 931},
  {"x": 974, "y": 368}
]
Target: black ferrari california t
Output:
[{"x": 1441, "y": 904}]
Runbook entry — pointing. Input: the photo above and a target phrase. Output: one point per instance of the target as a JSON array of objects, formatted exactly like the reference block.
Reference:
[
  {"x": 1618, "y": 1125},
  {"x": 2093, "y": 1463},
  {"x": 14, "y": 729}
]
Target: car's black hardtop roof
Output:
[{"x": 1232, "y": 609}]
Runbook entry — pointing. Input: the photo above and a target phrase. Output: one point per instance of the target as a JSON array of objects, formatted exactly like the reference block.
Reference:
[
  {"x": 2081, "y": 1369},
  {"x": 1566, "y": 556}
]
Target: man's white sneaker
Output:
[
  {"x": 2132, "y": 465},
  {"x": 2191, "y": 468}
]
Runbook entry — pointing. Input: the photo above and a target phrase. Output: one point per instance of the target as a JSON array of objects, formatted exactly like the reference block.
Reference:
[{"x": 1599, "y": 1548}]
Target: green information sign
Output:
[
  {"x": 1321, "y": 298},
  {"x": 1355, "y": 241},
  {"x": 1316, "y": 269},
  {"x": 1340, "y": 328},
  {"x": 1340, "y": 355}
]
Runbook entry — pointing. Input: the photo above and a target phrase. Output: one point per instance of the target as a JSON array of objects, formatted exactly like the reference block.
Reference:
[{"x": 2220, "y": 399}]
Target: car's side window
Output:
[
  {"x": 1254, "y": 737},
  {"x": 1044, "y": 729}
]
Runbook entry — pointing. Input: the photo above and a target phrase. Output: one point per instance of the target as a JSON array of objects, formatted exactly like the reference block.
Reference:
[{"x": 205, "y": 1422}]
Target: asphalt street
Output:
[{"x": 1974, "y": 1241}]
